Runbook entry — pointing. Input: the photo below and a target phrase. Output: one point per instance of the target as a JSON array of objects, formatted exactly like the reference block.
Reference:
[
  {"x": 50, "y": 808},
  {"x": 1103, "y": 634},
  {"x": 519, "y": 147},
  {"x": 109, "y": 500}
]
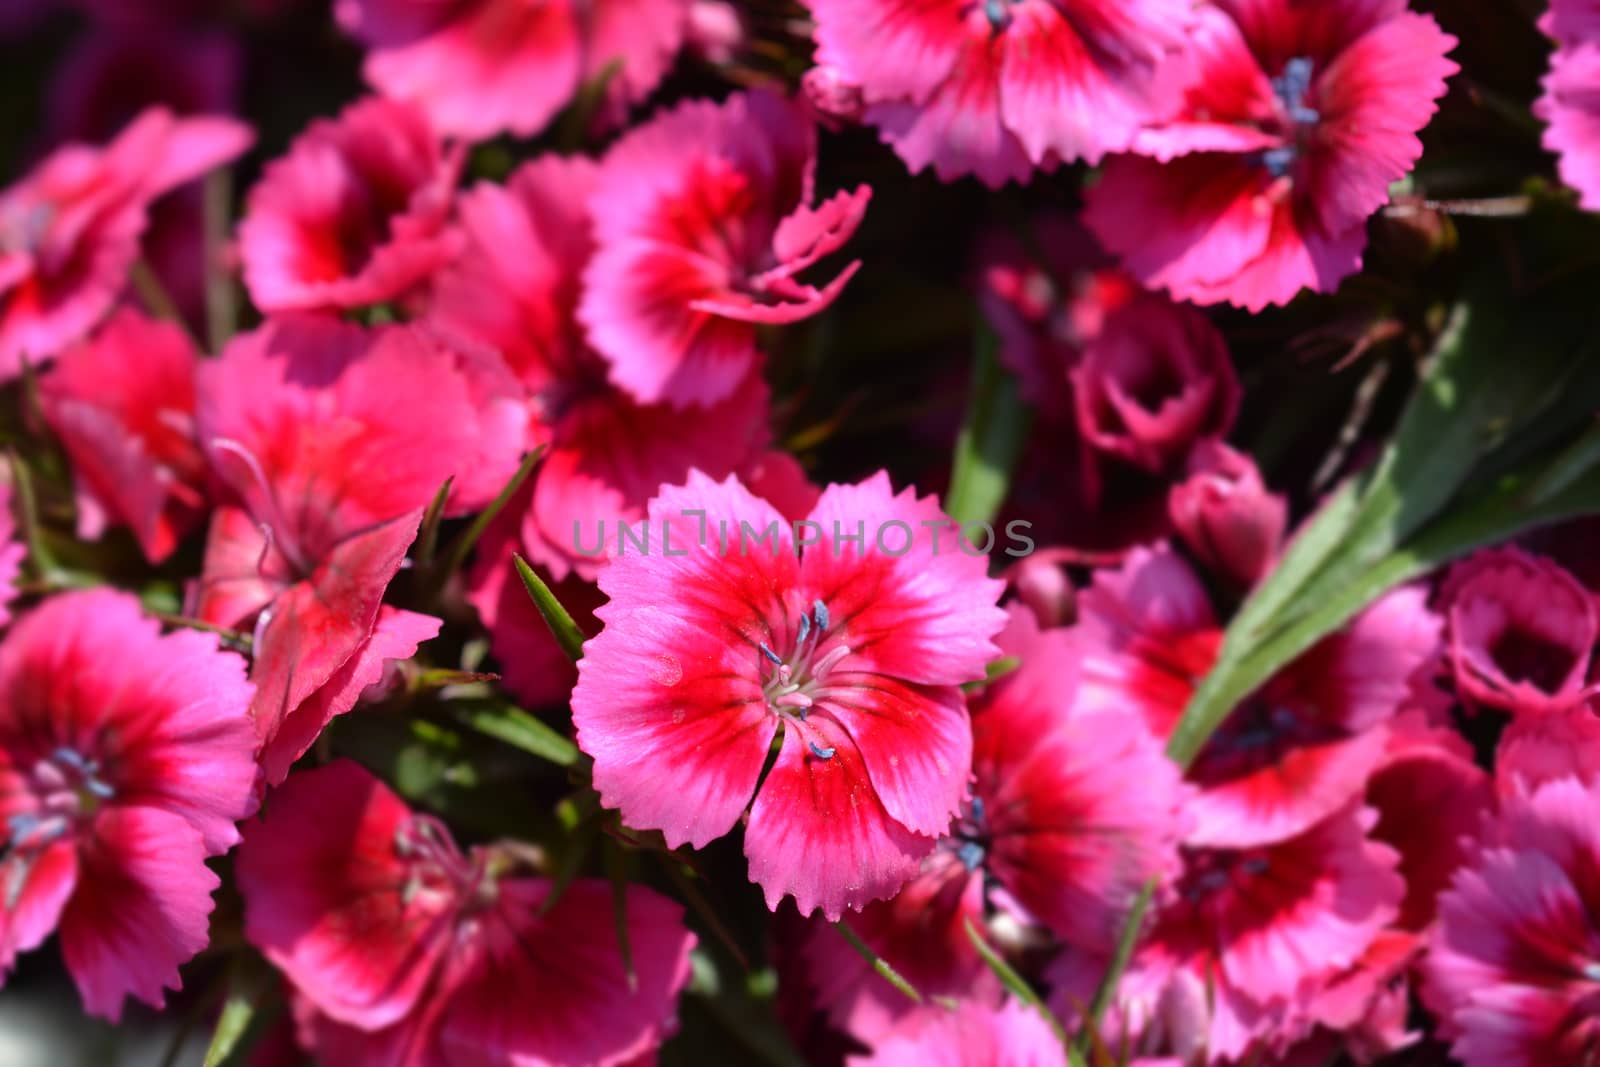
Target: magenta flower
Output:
[
  {"x": 12, "y": 553},
  {"x": 404, "y": 949},
  {"x": 1049, "y": 837},
  {"x": 1522, "y": 632},
  {"x": 1569, "y": 104},
  {"x": 995, "y": 89},
  {"x": 1297, "y": 750},
  {"x": 1261, "y": 185},
  {"x": 1511, "y": 972},
  {"x": 1014, "y": 1035},
  {"x": 126, "y": 757},
  {"x": 355, "y": 214},
  {"x": 703, "y": 219},
  {"x": 1226, "y": 515},
  {"x": 333, "y": 441},
  {"x": 852, "y": 649},
  {"x": 1153, "y": 383},
  {"x": 1247, "y": 941},
  {"x": 122, "y": 405},
  {"x": 70, "y": 230},
  {"x": 484, "y": 67},
  {"x": 515, "y": 290}
]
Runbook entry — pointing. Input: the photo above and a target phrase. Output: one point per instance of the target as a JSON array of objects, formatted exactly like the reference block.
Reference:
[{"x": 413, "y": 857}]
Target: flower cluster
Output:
[{"x": 498, "y": 531}]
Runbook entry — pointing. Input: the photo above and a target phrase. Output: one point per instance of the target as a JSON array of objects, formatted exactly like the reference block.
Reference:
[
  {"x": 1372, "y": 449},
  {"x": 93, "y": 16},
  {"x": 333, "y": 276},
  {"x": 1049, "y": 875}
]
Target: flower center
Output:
[
  {"x": 437, "y": 864},
  {"x": 794, "y": 683},
  {"x": 1212, "y": 872},
  {"x": 998, "y": 12},
  {"x": 66, "y": 788},
  {"x": 969, "y": 835},
  {"x": 1292, "y": 87}
]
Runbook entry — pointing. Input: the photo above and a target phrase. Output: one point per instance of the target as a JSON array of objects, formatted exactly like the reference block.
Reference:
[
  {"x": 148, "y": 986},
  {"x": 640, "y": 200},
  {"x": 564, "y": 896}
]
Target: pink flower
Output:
[
  {"x": 70, "y": 230},
  {"x": 1014, "y": 1035},
  {"x": 514, "y": 290},
  {"x": 126, "y": 757},
  {"x": 1511, "y": 972},
  {"x": 12, "y": 553},
  {"x": 1248, "y": 938},
  {"x": 1522, "y": 632},
  {"x": 1569, "y": 104},
  {"x": 1261, "y": 185},
  {"x": 483, "y": 67},
  {"x": 404, "y": 949},
  {"x": 1297, "y": 750},
  {"x": 1154, "y": 382},
  {"x": 355, "y": 214},
  {"x": 333, "y": 441},
  {"x": 1226, "y": 515},
  {"x": 703, "y": 218},
  {"x": 1051, "y": 836},
  {"x": 854, "y": 648},
  {"x": 996, "y": 89},
  {"x": 123, "y": 406},
  {"x": 1536, "y": 749}
]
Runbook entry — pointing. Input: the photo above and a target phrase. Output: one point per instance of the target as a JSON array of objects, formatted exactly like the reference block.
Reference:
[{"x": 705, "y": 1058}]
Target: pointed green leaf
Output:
[
  {"x": 991, "y": 440},
  {"x": 1013, "y": 981},
  {"x": 878, "y": 963},
  {"x": 566, "y": 631},
  {"x": 519, "y": 729}
]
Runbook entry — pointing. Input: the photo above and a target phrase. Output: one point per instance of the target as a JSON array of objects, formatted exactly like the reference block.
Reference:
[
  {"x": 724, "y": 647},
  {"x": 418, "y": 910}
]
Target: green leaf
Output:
[
  {"x": 519, "y": 729},
  {"x": 462, "y": 546},
  {"x": 1013, "y": 981},
  {"x": 249, "y": 983},
  {"x": 1106, "y": 991},
  {"x": 991, "y": 439},
  {"x": 878, "y": 963},
  {"x": 428, "y": 533},
  {"x": 617, "y": 869},
  {"x": 567, "y": 634}
]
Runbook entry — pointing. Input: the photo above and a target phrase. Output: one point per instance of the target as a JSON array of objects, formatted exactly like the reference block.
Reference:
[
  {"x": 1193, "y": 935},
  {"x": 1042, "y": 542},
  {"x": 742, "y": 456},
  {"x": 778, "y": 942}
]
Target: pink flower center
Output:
[
  {"x": 794, "y": 683},
  {"x": 66, "y": 788},
  {"x": 1210, "y": 874},
  {"x": 998, "y": 12},
  {"x": 1292, "y": 88},
  {"x": 1523, "y": 656},
  {"x": 437, "y": 866},
  {"x": 969, "y": 835}
]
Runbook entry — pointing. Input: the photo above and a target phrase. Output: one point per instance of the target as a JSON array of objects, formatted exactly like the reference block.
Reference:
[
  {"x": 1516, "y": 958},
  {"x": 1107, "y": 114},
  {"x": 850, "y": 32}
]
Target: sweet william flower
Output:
[
  {"x": 1262, "y": 183},
  {"x": 704, "y": 217},
  {"x": 1568, "y": 105},
  {"x": 1511, "y": 972},
  {"x": 12, "y": 553},
  {"x": 70, "y": 230},
  {"x": 1302, "y": 746},
  {"x": 332, "y": 441},
  {"x": 122, "y": 405},
  {"x": 126, "y": 757},
  {"x": 484, "y": 67},
  {"x": 355, "y": 214},
  {"x": 1522, "y": 632},
  {"x": 1226, "y": 515},
  {"x": 998, "y": 87},
  {"x": 514, "y": 290},
  {"x": 974, "y": 1033},
  {"x": 852, "y": 650},
  {"x": 404, "y": 949}
]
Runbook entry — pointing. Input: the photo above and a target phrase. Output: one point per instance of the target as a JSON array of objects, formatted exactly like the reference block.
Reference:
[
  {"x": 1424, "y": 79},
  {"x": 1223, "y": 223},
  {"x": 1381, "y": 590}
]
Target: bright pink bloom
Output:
[
  {"x": 703, "y": 218},
  {"x": 855, "y": 649},
  {"x": 12, "y": 553},
  {"x": 1052, "y": 820},
  {"x": 997, "y": 88},
  {"x": 1569, "y": 104},
  {"x": 411, "y": 951},
  {"x": 1294, "y": 752},
  {"x": 1153, "y": 383},
  {"x": 1522, "y": 632},
  {"x": 715, "y": 31},
  {"x": 1512, "y": 972},
  {"x": 974, "y": 1034},
  {"x": 1226, "y": 515},
  {"x": 1536, "y": 749},
  {"x": 1248, "y": 939},
  {"x": 483, "y": 67},
  {"x": 70, "y": 230},
  {"x": 1428, "y": 769},
  {"x": 333, "y": 440},
  {"x": 1365, "y": 1011},
  {"x": 126, "y": 757},
  {"x": 123, "y": 406},
  {"x": 514, "y": 290},
  {"x": 1261, "y": 185},
  {"x": 1050, "y": 836},
  {"x": 355, "y": 214}
]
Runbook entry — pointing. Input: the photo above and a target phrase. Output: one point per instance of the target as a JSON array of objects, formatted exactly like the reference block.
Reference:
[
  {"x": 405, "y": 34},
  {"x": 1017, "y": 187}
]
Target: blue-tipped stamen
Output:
[
  {"x": 771, "y": 655},
  {"x": 820, "y": 610},
  {"x": 820, "y": 752},
  {"x": 971, "y": 855},
  {"x": 805, "y": 629}
]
